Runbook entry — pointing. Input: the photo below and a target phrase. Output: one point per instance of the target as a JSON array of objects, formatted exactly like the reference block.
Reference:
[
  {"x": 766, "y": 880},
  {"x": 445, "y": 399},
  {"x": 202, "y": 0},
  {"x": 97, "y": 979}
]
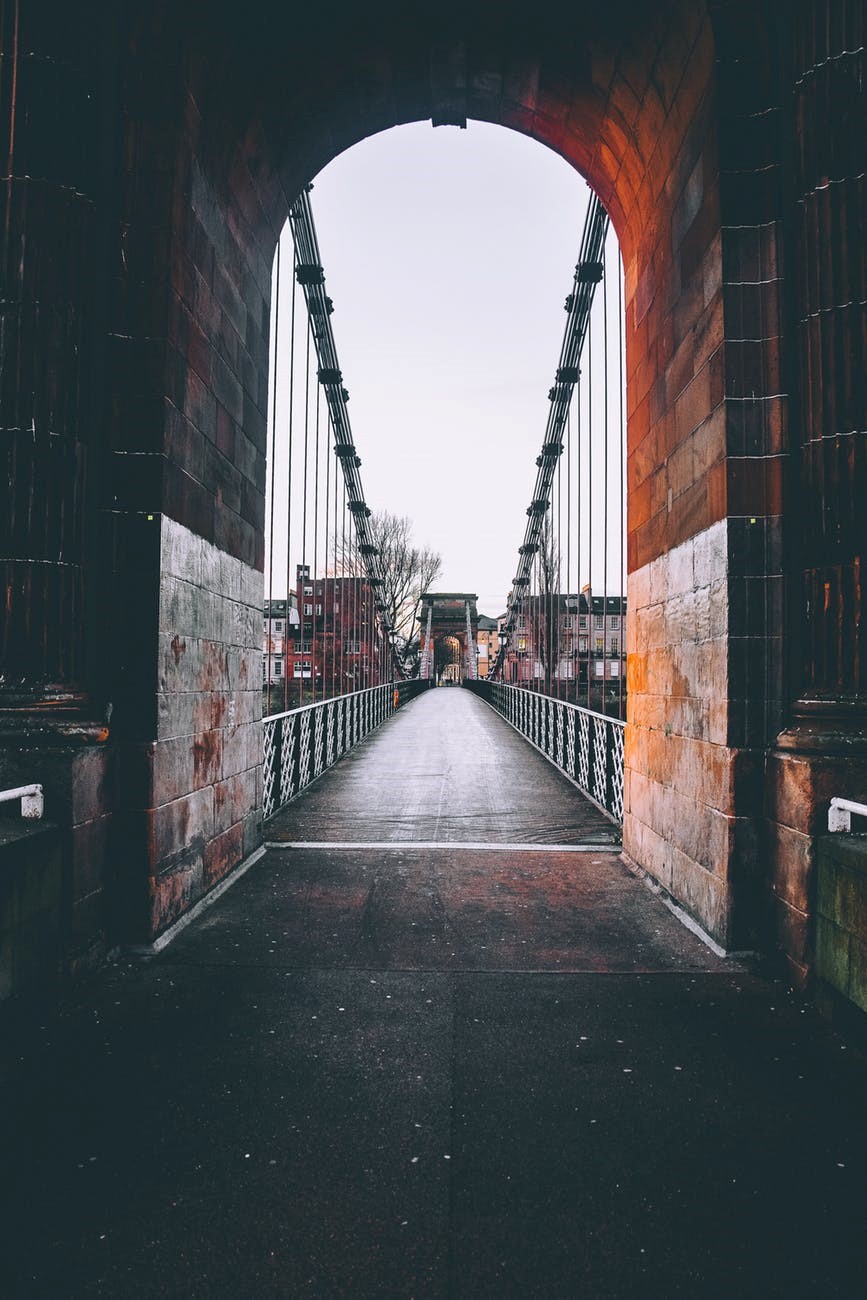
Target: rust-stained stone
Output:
[
  {"x": 180, "y": 828},
  {"x": 234, "y": 798},
  {"x": 222, "y": 854},
  {"x": 173, "y": 893}
]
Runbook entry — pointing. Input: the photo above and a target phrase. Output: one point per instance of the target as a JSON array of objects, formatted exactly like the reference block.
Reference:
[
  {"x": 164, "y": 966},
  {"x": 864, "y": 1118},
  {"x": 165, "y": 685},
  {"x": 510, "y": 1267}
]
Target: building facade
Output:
[
  {"x": 575, "y": 639},
  {"x": 488, "y": 643},
  {"x": 327, "y": 640}
]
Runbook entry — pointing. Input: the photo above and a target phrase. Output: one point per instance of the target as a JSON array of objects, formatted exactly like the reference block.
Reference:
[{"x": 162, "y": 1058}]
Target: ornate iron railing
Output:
[
  {"x": 587, "y": 746},
  {"x": 301, "y": 744}
]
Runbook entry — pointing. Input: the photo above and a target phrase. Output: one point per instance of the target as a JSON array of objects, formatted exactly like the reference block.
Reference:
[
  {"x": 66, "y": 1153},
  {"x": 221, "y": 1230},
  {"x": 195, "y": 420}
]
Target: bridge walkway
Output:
[{"x": 441, "y": 1050}]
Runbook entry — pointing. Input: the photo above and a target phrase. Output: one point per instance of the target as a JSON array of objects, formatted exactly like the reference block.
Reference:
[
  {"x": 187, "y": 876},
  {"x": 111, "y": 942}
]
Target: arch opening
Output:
[{"x": 169, "y": 314}]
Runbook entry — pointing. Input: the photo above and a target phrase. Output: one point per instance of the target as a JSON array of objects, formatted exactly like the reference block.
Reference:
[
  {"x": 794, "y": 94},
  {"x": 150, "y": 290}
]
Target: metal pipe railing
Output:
[
  {"x": 32, "y": 800},
  {"x": 840, "y": 813},
  {"x": 587, "y": 746}
]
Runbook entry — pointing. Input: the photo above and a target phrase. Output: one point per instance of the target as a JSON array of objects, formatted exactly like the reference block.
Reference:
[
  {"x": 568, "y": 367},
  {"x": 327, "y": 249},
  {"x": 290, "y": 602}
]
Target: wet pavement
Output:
[
  {"x": 446, "y": 768},
  {"x": 419, "y": 1071}
]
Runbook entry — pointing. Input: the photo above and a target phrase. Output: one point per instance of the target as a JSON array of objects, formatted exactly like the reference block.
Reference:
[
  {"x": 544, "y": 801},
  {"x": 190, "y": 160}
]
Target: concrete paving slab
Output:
[
  {"x": 211, "y": 1132},
  {"x": 418, "y": 908},
  {"x": 233, "y": 1130},
  {"x": 652, "y": 1136}
]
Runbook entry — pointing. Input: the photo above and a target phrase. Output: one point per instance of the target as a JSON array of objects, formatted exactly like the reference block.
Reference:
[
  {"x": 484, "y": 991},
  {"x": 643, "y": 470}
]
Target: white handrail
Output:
[
  {"x": 840, "y": 814},
  {"x": 32, "y": 801}
]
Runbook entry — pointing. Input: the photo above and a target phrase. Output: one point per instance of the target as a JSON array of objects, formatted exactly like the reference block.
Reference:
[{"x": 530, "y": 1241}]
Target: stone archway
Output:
[
  {"x": 193, "y": 127},
  {"x": 448, "y": 660}
]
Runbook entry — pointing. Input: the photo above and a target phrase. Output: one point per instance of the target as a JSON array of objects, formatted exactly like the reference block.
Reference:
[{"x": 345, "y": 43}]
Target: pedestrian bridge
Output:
[{"x": 446, "y": 769}]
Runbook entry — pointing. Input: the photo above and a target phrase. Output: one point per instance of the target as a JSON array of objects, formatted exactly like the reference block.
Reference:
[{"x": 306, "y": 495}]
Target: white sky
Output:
[{"x": 449, "y": 255}]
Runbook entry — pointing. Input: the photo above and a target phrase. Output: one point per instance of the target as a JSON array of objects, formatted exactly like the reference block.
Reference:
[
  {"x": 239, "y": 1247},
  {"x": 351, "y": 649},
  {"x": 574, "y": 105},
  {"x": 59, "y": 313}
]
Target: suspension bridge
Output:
[
  {"x": 544, "y": 674},
  {"x": 317, "y": 978}
]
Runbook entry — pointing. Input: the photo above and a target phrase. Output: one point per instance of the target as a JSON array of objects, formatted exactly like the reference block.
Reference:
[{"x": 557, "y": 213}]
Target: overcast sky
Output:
[{"x": 448, "y": 255}]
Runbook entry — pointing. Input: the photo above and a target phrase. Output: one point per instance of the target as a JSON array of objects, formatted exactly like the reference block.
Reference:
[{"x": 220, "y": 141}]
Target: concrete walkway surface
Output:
[{"x": 418, "y": 1071}]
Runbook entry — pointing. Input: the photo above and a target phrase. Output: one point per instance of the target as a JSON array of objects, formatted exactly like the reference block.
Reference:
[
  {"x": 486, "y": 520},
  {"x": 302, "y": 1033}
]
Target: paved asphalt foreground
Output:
[{"x": 474, "y": 1070}]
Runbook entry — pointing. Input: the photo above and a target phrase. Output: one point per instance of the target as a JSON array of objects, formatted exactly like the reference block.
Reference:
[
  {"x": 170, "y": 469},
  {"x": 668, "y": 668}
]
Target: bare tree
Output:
[{"x": 408, "y": 571}]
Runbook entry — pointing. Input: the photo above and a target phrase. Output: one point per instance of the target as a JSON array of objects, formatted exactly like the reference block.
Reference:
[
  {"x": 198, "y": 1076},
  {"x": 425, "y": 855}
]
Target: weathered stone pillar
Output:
[
  {"x": 188, "y": 343},
  {"x": 50, "y": 159},
  {"x": 57, "y": 134},
  {"x": 823, "y": 750}
]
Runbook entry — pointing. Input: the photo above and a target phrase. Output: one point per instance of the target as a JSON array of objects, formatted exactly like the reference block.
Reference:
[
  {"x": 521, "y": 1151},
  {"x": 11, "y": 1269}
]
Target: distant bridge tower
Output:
[
  {"x": 452, "y": 621},
  {"x": 472, "y": 638},
  {"x": 426, "y": 669}
]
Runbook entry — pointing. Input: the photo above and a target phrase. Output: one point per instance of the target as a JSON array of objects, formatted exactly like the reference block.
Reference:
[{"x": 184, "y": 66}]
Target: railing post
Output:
[{"x": 278, "y": 759}]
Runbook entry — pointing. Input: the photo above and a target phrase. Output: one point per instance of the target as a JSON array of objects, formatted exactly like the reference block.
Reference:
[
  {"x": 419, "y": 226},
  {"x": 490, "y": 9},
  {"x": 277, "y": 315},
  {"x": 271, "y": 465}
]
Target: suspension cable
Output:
[
  {"x": 269, "y": 661},
  {"x": 311, "y": 276},
  {"x": 588, "y": 273}
]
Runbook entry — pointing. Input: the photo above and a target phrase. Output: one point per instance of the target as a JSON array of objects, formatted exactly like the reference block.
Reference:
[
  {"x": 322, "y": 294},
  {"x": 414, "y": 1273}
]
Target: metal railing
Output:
[
  {"x": 303, "y": 743},
  {"x": 587, "y": 746},
  {"x": 841, "y": 811},
  {"x": 32, "y": 801}
]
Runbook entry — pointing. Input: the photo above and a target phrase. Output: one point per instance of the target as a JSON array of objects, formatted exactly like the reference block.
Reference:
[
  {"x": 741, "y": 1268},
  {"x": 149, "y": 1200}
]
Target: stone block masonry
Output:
[
  {"x": 204, "y": 811},
  {"x": 841, "y": 922},
  {"x": 685, "y": 814}
]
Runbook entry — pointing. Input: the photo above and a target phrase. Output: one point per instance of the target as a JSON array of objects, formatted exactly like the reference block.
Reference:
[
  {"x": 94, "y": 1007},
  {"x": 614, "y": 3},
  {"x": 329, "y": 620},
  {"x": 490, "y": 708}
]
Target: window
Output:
[
  {"x": 615, "y": 646},
  {"x": 278, "y": 667},
  {"x": 308, "y": 609},
  {"x": 308, "y": 591},
  {"x": 582, "y": 645},
  {"x": 600, "y": 645},
  {"x": 278, "y": 626},
  {"x": 582, "y": 621},
  {"x": 600, "y": 621},
  {"x": 614, "y": 622}
]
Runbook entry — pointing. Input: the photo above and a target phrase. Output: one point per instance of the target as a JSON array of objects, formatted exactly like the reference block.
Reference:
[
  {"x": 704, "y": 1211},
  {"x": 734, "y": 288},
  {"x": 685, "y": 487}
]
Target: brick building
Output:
[
  {"x": 488, "y": 643},
  {"x": 280, "y": 630},
  {"x": 327, "y": 642},
  {"x": 566, "y": 638}
]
